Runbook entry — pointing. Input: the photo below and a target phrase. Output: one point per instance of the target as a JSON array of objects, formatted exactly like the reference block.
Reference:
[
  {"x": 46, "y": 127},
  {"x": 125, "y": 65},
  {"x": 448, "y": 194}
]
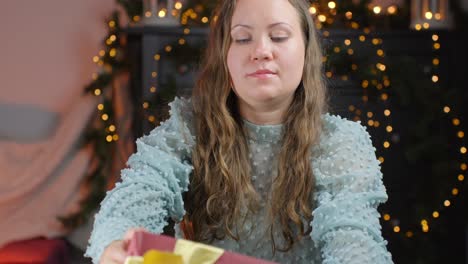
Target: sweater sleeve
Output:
[
  {"x": 346, "y": 221},
  {"x": 151, "y": 187}
]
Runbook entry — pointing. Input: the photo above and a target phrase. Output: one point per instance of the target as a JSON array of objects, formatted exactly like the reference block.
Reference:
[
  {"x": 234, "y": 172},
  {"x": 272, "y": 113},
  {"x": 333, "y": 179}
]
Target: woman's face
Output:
[{"x": 266, "y": 56}]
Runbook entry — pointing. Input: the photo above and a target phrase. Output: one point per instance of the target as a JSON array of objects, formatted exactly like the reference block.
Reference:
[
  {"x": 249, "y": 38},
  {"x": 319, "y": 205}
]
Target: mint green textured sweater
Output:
[{"x": 349, "y": 188}]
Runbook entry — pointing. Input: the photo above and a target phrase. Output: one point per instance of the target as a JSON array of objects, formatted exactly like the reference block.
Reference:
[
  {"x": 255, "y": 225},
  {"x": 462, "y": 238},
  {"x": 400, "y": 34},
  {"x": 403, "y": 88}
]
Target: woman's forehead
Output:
[{"x": 264, "y": 12}]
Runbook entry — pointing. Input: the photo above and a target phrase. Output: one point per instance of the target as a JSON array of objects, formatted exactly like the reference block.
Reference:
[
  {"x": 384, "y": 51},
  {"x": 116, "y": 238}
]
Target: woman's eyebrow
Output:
[{"x": 269, "y": 26}]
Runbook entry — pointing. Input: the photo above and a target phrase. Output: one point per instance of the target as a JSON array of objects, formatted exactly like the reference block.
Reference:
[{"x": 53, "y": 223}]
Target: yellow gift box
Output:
[{"x": 185, "y": 252}]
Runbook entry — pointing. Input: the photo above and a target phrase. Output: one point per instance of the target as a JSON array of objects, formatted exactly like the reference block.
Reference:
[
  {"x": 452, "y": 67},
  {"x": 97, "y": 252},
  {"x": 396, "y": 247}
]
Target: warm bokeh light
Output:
[
  {"x": 377, "y": 9},
  {"x": 392, "y": 9},
  {"x": 312, "y": 10},
  {"x": 428, "y": 15}
]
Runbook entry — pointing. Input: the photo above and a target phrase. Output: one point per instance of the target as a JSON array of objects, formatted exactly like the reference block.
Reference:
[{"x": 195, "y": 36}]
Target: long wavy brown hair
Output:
[{"x": 221, "y": 187}]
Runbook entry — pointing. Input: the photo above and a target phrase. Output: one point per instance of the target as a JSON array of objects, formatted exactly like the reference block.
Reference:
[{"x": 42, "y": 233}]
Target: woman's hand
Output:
[{"x": 116, "y": 251}]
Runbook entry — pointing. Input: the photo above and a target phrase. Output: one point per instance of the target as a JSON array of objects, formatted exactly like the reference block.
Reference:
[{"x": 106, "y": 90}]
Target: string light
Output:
[
  {"x": 377, "y": 9},
  {"x": 312, "y": 10},
  {"x": 386, "y": 144},
  {"x": 460, "y": 134},
  {"x": 463, "y": 166},
  {"x": 463, "y": 150},
  {"x": 428, "y": 15},
  {"x": 392, "y": 10},
  {"x": 113, "y": 52}
]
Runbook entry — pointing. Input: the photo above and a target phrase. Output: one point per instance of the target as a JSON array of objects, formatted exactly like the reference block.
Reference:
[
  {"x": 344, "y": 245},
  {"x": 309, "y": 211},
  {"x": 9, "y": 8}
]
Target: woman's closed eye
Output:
[
  {"x": 247, "y": 40},
  {"x": 243, "y": 40},
  {"x": 278, "y": 39}
]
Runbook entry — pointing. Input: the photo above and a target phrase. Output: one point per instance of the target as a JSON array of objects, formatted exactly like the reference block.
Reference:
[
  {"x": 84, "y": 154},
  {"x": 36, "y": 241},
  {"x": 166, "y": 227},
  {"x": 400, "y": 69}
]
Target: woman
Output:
[{"x": 262, "y": 168}]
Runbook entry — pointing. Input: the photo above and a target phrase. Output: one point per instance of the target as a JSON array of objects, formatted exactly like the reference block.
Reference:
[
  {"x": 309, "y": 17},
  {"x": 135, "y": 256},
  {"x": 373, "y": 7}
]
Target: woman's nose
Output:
[{"x": 261, "y": 51}]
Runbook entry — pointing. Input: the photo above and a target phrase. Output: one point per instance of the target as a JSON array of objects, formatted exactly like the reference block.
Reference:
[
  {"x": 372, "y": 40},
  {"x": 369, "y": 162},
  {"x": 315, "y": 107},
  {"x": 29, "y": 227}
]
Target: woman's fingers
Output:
[
  {"x": 114, "y": 253},
  {"x": 119, "y": 253},
  {"x": 129, "y": 234}
]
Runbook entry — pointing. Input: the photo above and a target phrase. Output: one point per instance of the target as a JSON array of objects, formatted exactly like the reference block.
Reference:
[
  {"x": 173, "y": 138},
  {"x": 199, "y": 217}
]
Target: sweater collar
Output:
[{"x": 264, "y": 133}]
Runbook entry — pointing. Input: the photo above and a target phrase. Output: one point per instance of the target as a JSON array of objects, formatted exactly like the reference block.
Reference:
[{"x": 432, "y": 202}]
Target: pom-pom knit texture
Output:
[{"x": 349, "y": 188}]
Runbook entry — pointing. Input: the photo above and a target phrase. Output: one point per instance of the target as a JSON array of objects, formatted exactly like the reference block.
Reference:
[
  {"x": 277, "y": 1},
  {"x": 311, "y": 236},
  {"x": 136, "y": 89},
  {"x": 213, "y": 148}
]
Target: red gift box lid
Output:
[{"x": 144, "y": 241}]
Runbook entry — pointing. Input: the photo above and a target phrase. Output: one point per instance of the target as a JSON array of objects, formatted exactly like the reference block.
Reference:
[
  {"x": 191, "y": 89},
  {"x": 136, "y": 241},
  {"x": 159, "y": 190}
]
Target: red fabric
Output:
[
  {"x": 35, "y": 251},
  {"x": 143, "y": 241}
]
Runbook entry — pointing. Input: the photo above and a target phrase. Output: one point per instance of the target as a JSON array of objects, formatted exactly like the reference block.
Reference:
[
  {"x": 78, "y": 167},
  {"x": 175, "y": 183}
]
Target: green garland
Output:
[{"x": 113, "y": 63}]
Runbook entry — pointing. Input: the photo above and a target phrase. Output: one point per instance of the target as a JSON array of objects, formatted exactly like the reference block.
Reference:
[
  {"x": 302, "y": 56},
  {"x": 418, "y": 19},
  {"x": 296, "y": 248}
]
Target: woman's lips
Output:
[{"x": 262, "y": 74}]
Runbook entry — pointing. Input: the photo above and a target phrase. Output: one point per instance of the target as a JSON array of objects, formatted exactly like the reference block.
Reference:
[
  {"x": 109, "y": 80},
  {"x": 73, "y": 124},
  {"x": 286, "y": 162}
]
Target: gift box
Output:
[{"x": 147, "y": 248}]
